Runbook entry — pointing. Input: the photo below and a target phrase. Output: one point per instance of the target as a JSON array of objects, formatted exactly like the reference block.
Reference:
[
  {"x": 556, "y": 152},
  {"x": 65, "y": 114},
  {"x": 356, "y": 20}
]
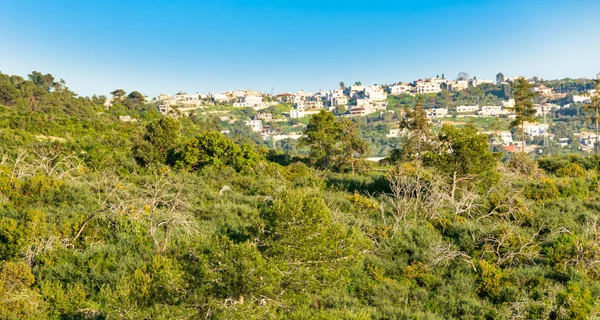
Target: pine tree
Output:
[{"x": 523, "y": 107}]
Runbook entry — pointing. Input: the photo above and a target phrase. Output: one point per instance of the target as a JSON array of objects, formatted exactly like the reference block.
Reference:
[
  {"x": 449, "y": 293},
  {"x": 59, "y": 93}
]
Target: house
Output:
[
  {"x": 309, "y": 104},
  {"x": 220, "y": 97},
  {"x": 263, "y": 116},
  {"x": 511, "y": 148},
  {"x": 582, "y": 99},
  {"x": 492, "y": 111},
  {"x": 356, "y": 91},
  {"x": 296, "y": 113},
  {"x": 477, "y": 82},
  {"x": 256, "y": 125},
  {"x": 508, "y": 103},
  {"x": 437, "y": 113},
  {"x": 249, "y": 101},
  {"x": 163, "y": 96},
  {"x": 457, "y": 85},
  {"x": 427, "y": 86},
  {"x": 394, "y": 133},
  {"x": 400, "y": 89},
  {"x": 467, "y": 109},
  {"x": 543, "y": 90},
  {"x": 375, "y": 93},
  {"x": 545, "y": 108},
  {"x": 535, "y": 129},
  {"x": 339, "y": 101},
  {"x": 503, "y": 138}
]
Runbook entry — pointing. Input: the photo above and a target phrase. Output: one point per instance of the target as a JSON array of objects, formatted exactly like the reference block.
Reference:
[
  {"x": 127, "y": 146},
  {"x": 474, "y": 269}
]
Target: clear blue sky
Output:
[{"x": 209, "y": 46}]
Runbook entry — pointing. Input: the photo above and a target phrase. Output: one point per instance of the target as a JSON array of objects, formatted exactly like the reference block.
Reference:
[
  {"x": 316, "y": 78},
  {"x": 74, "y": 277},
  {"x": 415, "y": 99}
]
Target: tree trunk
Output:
[
  {"x": 453, "y": 184},
  {"x": 523, "y": 137}
]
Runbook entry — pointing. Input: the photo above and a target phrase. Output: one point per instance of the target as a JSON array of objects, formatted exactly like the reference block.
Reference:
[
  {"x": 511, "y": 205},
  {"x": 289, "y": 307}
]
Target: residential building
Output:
[
  {"x": 400, "y": 89},
  {"x": 356, "y": 91},
  {"x": 545, "y": 108},
  {"x": 543, "y": 90},
  {"x": 508, "y": 103},
  {"x": 256, "y": 125},
  {"x": 457, "y": 85},
  {"x": 503, "y": 138},
  {"x": 467, "y": 109},
  {"x": 427, "y": 86},
  {"x": 249, "y": 101},
  {"x": 478, "y": 82},
  {"x": 263, "y": 116},
  {"x": 492, "y": 111},
  {"x": 339, "y": 101},
  {"x": 163, "y": 96},
  {"x": 220, "y": 97},
  {"x": 437, "y": 113},
  {"x": 375, "y": 93},
  {"x": 394, "y": 133},
  {"x": 535, "y": 129},
  {"x": 582, "y": 99}
]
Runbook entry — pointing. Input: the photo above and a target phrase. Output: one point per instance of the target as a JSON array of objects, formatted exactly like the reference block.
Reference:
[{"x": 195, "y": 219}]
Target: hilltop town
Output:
[{"x": 282, "y": 116}]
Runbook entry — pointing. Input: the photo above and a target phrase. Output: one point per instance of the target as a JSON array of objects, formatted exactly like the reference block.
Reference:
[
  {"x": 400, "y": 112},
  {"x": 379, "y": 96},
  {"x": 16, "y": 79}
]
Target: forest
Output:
[{"x": 166, "y": 218}]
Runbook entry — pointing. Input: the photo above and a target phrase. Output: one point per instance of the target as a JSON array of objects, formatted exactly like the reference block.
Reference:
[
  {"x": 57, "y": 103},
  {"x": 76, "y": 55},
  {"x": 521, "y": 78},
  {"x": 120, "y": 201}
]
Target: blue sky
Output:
[{"x": 209, "y": 46}]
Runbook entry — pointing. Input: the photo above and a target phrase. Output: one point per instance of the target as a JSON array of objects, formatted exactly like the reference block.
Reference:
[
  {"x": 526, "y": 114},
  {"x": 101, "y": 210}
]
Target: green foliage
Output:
[
  {"x": 85, "y": 233},
  {"x": 212, "y": 148}
]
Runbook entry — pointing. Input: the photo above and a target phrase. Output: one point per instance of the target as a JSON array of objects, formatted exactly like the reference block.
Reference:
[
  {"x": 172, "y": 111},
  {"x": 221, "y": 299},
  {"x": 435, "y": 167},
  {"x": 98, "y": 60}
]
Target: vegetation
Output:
[{"x": 169, "y": 219}]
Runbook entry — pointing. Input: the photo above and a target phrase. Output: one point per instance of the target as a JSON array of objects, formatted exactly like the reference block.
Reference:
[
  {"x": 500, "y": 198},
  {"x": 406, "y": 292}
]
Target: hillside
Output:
[{"x": 169, "y": 219}]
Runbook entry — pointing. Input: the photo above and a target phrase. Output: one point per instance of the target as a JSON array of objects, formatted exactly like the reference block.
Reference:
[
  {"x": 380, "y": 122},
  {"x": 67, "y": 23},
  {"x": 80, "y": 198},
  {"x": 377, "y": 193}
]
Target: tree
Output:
[
  {"x": 213, "y": 148},
  {"x": 352, "y": 144},
  {"x": 44, "y": 81},
  {"x": 118, "y": 95},
  {"x": 462, "y": 154},
  {"x": 594, "y": 109},
  {"x": 463, "y": 76},
  {"x": 136, "y": 99},
  {"x": 332, "y": 143},
  {"x": 342, "y": 85},
  {"x": 321, "y": 136},
  {"x": 500, "y": 78},
  {"x": 523, "y": 107},
  {"x": 416, "y": 122},
  {"x": 358, "y": 83},
  {"x": 158, "y": 142}
]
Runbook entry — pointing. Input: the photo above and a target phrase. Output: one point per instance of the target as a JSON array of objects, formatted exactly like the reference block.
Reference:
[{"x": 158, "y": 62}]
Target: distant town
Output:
[{"x": 358, "y": 100}]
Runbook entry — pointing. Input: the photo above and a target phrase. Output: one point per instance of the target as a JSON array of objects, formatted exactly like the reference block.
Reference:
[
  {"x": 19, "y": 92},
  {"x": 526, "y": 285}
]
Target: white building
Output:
[
  {"x": 510, "y": 103},
  {"x": 427, "y": 86},
  {"x": 492, "y": 111},
  {"x": 535, "y": 129},
  {"x": 437, "y": 113},
  {"x": 163, "y": 96},
  {"x": 256, "y": 125},
  {"x": 355, "y": 91},
  {"x": 457, "y": 85},
  {"x": 375, "y": 93},
  {"x": 249, "y": 101},
  {"x": 582, "y": 99},
  {"x": 500, "y": 137},
  {"x": 339, "y": 101},
  {"x": 478, "y": 82},
  {"x": 399, "y": 89},
  {"x": 467, "y": 109},
  {"x": 220, "y": 97},
  {"x": 263, "y": 116}
]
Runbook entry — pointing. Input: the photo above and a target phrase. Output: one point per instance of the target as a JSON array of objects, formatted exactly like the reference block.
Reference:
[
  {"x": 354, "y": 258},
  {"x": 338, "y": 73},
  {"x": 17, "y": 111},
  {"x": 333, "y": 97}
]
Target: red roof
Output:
[{"x": 510, "y": 148}]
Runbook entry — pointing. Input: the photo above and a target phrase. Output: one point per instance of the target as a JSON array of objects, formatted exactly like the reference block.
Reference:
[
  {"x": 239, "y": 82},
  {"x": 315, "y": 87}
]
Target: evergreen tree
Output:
[
  {"x": 419, "y": 130},
  {"x": 523, "y": 107}
]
